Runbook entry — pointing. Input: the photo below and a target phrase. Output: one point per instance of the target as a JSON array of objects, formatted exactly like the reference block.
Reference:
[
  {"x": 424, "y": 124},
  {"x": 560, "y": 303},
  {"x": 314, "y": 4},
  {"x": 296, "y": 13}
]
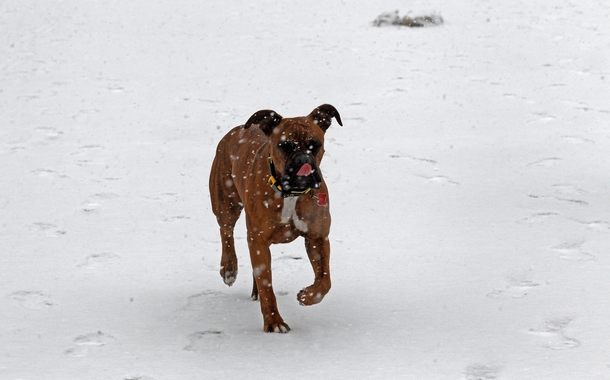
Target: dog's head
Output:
[{"x": 296, "y": 145}]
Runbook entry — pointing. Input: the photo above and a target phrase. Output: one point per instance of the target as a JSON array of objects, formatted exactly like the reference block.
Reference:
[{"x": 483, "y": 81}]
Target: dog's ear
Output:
[
  {"x": 323, "y": 116},
  {"x": 266, "y": 120}
]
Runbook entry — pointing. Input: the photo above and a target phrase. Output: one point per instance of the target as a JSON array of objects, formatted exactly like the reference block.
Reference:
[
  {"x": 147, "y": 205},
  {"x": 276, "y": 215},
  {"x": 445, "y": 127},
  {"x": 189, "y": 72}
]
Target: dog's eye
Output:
[
  {"x": 314, "y": 146},
  {"x": 287, "y": 147}
]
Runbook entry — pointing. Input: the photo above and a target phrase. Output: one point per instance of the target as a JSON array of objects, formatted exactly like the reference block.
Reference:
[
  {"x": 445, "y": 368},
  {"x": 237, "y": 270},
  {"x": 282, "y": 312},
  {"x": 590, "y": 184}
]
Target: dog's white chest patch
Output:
[{"x": 289, "y": 212}]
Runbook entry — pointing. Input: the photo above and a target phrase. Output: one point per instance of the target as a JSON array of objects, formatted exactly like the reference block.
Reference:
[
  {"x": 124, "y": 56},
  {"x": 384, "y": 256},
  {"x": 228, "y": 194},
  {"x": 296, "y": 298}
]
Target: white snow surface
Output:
[{"x": 468, "y": 188}]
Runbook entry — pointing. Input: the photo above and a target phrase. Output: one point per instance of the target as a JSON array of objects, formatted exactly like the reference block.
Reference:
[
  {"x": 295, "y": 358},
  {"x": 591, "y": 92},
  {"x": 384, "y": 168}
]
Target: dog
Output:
[{"x": 270, "y": 166}]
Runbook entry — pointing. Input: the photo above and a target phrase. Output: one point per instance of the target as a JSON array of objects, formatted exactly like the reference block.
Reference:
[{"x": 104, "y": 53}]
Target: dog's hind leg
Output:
[
  {"x": 228, "y": 261},
  {"x": 254, "y": 295},
  {"x": 227, "y": 207}
]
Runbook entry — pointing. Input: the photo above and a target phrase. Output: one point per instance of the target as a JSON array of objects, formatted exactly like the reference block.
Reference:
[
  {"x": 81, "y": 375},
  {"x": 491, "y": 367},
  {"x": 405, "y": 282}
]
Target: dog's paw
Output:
[
  {"x": 274, "y": 323},
  {"x": 308, "y": 296},
  {"x": 278, "y": 327},
  {"x": 228, "y": 276}
]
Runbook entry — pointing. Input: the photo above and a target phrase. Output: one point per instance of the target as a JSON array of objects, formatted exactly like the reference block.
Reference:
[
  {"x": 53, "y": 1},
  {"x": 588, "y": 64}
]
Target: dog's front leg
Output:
[
  {"x": 260, "y": 256},
  {"x": 318, "y": 250}
]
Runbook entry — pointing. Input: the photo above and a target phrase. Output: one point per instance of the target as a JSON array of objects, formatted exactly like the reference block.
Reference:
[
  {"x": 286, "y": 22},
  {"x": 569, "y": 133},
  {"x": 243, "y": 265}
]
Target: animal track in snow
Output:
[
  {"x": 545, "y": 162},
  {"x": 94, "y": 339},
  {"x": 567, "y": 193},
  {"x": 46, "y": 229},
  {"x": 539, "y": 217},
  {"x": 91, "y": 146},
  {"x": 584, "y": 106},
  {"x": 31, "y": 299},
  {"x": 205, "y": 340},
  {"x": 596, "y": 225},
  {"x": 567, "y": 189},
  {"x": 176, "y": 218},
  {"x": 116, "y": 88},
  {"x": 83, "y": 342},
  {"x": 48, "y": 173},
  {"x": 290, "y": 257},
  {"x": 77, "y": 352},
  {"x": 162, "y": 197},
  {"x": 577, "y": 139},
  {"x": 413, "y": 158},
  {"x": 579, "y": 202},
  {"x": 359, "y": 119},
  {"x": 517, "y": 290},
  {"x": 542, "y": 117},
  {"x": 440, "y": 179},
  {"x": 93, "y": 260},
  {"x": 552, "y": 331},
  {"x": 95, "y": 201},
  {"x": 202, "y": 301},
  {"x": 50, "y": 133},
  {"x": 572, "y": 250},
  {"x": 11, "y": 149},
  {"x": 518, "y": 286},
  {"x": 86, "y": 153},
  {"x": 433, "y": 178},
  {"x": 85, "y": 114},
  {"x": 481, "y": 372}
]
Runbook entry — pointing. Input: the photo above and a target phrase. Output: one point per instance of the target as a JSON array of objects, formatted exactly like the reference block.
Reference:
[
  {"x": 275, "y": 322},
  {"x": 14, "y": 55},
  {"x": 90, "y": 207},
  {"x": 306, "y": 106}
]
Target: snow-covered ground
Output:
[{"x": 469, "y": 187}]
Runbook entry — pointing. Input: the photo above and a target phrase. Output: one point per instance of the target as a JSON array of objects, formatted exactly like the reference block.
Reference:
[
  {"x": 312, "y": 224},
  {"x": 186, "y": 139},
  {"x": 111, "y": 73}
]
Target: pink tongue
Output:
[{"x": 305, "y": 170}]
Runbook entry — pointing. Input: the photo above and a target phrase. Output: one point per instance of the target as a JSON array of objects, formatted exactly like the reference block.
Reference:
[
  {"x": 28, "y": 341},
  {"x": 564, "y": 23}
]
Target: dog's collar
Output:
[{"x": 277, "y": 187}]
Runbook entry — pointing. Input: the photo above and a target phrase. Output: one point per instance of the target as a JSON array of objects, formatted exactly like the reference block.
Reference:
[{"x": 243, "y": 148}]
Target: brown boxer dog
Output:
[{"x": 270, "y": 167}]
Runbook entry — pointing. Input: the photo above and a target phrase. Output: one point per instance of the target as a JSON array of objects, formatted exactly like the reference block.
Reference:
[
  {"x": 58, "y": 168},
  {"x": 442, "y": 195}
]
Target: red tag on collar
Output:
[{"x": 322, "y": 199}]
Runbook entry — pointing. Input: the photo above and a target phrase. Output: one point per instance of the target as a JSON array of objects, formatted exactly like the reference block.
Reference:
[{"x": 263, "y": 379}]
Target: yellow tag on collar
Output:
[{"x": 273, "y": 183}]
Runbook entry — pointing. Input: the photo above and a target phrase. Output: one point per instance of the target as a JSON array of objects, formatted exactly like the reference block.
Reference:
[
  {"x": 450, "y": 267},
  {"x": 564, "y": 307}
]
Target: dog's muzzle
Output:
[{"x": 301, "y": 173}]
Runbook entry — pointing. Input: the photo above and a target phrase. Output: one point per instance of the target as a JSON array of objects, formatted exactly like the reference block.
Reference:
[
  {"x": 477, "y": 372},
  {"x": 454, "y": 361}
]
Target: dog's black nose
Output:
[{"x": 301, "y": 159}]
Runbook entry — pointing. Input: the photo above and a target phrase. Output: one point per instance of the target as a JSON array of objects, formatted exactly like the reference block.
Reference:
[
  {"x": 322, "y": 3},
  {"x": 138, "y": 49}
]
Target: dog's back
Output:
[{"x": 238, "y": 145}]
